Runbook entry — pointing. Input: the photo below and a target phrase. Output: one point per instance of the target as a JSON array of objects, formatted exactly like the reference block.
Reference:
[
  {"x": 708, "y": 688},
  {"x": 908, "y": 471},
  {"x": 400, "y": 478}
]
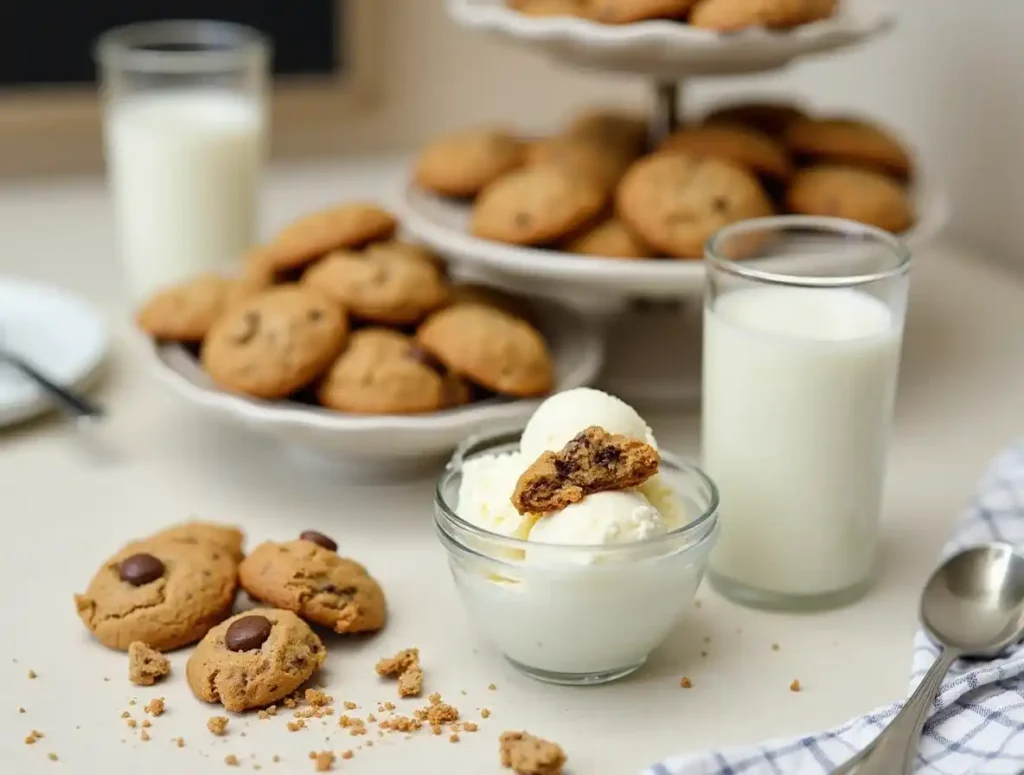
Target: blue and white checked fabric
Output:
[{"x": 977, "y": 724}]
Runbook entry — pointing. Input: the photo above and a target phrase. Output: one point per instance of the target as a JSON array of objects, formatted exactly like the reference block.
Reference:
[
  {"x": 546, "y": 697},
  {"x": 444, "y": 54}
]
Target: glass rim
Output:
[
  {"x": 825, "y": 225},
  {"x": 124, "y": 47},
  {"x": 706, "y": 520}
]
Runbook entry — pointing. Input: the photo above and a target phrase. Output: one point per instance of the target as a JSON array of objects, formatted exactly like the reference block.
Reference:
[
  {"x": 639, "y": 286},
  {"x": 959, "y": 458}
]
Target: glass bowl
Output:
[{"x": 571, "y": 614}]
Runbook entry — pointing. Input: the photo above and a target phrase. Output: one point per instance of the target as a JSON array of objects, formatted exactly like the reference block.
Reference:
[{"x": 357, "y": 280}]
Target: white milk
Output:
[
  {"x": 184, "y": 170},
  {"x": 797, "y": 406}
]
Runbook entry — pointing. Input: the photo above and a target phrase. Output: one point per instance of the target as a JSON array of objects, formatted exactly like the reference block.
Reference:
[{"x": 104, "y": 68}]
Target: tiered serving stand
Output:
[{"x": 650, "y": 309}]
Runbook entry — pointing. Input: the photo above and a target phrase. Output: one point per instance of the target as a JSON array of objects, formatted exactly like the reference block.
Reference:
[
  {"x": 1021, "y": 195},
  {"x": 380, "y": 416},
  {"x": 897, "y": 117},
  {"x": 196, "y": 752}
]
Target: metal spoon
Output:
[{"x": 974, "y": 607}]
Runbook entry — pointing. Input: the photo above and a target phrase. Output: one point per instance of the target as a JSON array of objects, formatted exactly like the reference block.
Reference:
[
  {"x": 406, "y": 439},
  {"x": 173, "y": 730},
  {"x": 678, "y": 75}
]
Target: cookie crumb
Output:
[
  {"x": 21, "y": 709},
  {"x": 371, "y": 718},
  {"x": 317, "y": 698},
  {"x": 775, "y": 647},
  {"x": 146, "y": 723},
  {"x": 132, "y": 723},
  {"x": 485, "y": 713},
  {"x": 125, "y": 714},
  {"x": 155, "y": 706},
  {"x": 218, "y": 725},
  {"x": 180, "y": 742},
  {"x": 685, "y": 683},
  {"x": 33, "y": 674},
  {"x": 529, "y": 755},
  {"x": 231, "y": 760},
  {"x": 52, "y": 757},
  {"x": 349, "y": 705},
  {"x": 32, "y": 736},
  {"x": 347, "y": 754},
  {"x": 275, "y": 758},
  {"x": 323, "y": 761},
  {"x": 296, "y": 725},
  {"x": 469, "y": 726},
  {"x": 146, "y": 666},
  {"x": 492, "y": 688},
  {"x": 405, "y": 666},
  {"x": 144, "y": 736},
  {"x": 795, "y": 686}
]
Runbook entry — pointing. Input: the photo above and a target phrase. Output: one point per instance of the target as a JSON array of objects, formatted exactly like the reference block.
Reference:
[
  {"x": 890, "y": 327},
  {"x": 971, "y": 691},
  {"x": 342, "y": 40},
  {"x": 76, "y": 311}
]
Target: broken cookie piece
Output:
[
  {"x": 525, "y": 754},
  {"x": 593, "y": 461},
  {"x": 405, "y": 666},
  {"x": 145, "y": 665}
]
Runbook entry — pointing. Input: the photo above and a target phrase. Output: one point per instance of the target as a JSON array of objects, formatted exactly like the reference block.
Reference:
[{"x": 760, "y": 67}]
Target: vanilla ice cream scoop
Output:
[
  {"x": 604, "y": 518},
  {"x": 563, "y": 415},
  {"x": 485, "y": 495}
]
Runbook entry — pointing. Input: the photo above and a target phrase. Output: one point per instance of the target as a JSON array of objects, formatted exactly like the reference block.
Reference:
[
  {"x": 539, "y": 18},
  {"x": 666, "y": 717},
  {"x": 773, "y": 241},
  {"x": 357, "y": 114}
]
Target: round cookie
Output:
[
  {"x": 849, "y": 141},
  {"x": 274, "y": 343},
  {"x": 581, "y": 157},
  {"x": 734, "y": 15},
  {"x": 610, "y": 239},
  {"x": 770, "y": 116},
  {"x": 847, "y": 192},
  {"x": 382, "y": 285},
  {"x": 164, "y": 593},
  {"x": 741, "y": 145},
  {"x": 675, "y": 201},
  {"x": 540, "y": 8},
  {"x": 410, "y": 249},
  {"x": 308, "y": 577},
  {"x": 254, "y": 659},
  {"x": 186, "y": 312},
  {"x": 460, "y": 164},
  {"x": 227, "y": 537},
  {"x": 628, "y": 11},
  {"x": 503, "y": 353},
  {"x": 382, "y": 372},
  {"x": 535, "y": 205},
  {"x": 343, "y": 227}
]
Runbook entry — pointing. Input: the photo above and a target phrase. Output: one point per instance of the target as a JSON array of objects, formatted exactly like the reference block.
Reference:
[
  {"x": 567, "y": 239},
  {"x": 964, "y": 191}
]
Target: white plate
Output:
[
  {"x": 443, "y": 224},
  {"x": 670, "y": 50},
  {"x": 387, "y": 443},
  {"x": 58, "y": 333}
]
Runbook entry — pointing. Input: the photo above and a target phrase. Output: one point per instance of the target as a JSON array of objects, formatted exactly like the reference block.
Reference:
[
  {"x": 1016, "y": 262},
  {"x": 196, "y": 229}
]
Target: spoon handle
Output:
[{"x": 894, "y": 750}]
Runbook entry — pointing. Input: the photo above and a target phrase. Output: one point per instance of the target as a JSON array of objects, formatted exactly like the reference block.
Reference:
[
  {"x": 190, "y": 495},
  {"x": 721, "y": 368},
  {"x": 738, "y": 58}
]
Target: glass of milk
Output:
[
  {"x": 803, "y": 322},
  {"x": 184, "y": 113}
]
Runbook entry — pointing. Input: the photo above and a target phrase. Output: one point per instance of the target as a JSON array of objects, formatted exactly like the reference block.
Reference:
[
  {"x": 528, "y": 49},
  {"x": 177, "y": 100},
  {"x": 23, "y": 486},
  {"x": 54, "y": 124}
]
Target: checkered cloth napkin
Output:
[{"x": 977, "y": 724}]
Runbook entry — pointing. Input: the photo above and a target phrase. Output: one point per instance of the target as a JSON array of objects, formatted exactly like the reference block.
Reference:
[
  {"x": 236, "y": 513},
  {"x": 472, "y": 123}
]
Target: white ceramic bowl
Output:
[
  {"x": 669, "y": 50},
  {"x": 385, "y": 444}
]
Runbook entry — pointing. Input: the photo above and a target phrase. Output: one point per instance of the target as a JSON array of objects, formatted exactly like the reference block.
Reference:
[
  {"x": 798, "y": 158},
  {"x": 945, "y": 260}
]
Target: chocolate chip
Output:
[
  {"x": 140, "y": 569},
  {"x": 719, "y": 204},
  {"x": 607, "y": 455},
  {"x": 319, "y": 539},
  {"x": 247, "y": 633},
  {"x": 565, "y": 468},
  {"x": 251, "y": 320}
]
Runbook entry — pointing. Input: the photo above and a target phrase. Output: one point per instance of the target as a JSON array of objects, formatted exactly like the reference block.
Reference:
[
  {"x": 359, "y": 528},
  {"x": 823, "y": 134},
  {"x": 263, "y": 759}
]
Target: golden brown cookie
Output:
[
  {"x": 676, "y": 201},
  {"x": 741, "y": 145},
  {"x": 343, "y": 227},
  {"x": 487, "y": 346},
  {"x": 163, "y": 593},
  {"x": 254, "y": 659},
  {"x": 611, "y": 239},
  {"x": 526, "y": 754},
  {"x": 618, "y": 129},
  {"x": 227, "y": 537},
  {"x": 489, "y": 296},
  {"x": 462, "y": 163},
  {"x": 541, "y": 8},
  {"x": 383, "y": 372},
  {"x": 383, "y": 285},
  {"x": 581, "y": 157},
  {"x": 771, "y": 116},
  {"x": 535, "y": 205},
  {"x": 186, "y": 312},
  {"x": 849, "y": 141},
  {"x": 410, "y": 249},
  {"x": 274, "y": 343},
  {"x": 734, "y": 15},
  {"x": 628, "y": 11},
  {"x": 593, "y": 461},
  {"x": 848, "y": 192},
  {"x": 308, "y": 577}
]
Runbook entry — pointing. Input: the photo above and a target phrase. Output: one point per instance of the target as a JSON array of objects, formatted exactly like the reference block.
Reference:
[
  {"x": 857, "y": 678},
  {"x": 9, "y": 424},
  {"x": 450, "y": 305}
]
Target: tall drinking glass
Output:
[
  {"x": 803, "y": 323},
  {"x": 184, "y": 127}
]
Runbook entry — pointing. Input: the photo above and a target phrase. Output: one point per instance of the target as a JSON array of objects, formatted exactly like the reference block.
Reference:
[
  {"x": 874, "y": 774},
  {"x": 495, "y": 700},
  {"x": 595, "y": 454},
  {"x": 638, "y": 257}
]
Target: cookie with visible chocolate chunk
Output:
[
  {"x": 275, "y": 343},
  {"x": 852, "y": 193},
  {"x": 593, "y": 461},
  {"x": 741, "y": 145},
  {"x": 735, "y": 15},
  {"x": 462, "y": 163},
  {"x": 308, "y": 576},
  {"x": 254, "y": 659},
  {"x": 675, "y": 201},
  {"x": 388, "y": 284},
  {"x": 343, "y": 227},
  {"x": 849, "y": 141},
  {"x": 771, "y": 116},
  {"x": 610, "y": 239},
  {"x": 382, "y": 371},
  {"x": 535, "y": 205},
  {"x": 186, "y": 312},
  {"x": 629, "y": 11},
  {"x": 489, "y": 347},
  {"x": 227, "y": 537}
]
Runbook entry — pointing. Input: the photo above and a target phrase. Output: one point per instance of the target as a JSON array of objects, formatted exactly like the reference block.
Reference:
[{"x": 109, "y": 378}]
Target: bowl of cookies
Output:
[
  {"x": 350, "y": 343},
  {"x": 594, "y": 206}
]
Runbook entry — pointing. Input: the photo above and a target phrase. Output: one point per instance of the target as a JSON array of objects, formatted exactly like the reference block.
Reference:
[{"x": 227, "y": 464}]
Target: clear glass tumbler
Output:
[
  {"x": 803, "y": 324},
  {"x": 184, "y": 110}
]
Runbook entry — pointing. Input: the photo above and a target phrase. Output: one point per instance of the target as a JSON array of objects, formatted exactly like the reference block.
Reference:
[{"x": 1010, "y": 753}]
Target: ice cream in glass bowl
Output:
[{"x": 578, "y": 546}]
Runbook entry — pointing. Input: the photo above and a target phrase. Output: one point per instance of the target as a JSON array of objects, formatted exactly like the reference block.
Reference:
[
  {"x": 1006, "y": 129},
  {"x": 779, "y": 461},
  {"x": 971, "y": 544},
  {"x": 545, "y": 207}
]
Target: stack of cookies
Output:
[
  {"x": 592, "y": 190},
  {"x": 718, "y": 15},
  {"x": 337, "y": 312},
  {"x": 177, "y": 588}
]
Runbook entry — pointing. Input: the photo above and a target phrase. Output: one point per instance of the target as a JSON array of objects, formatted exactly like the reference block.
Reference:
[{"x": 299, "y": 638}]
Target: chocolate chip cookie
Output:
[
  {"x": 343, "y": 227},
  {"x": 460, "y": 164},
  {"x": 271, "y": 345},
  {"x": 847, "y": 192},
  {"x": 849, "y": 141},
  {"x": 384, "y": 285},
  {"x": 675, "y": 201},
  {"x": 536, "y": 205},
  {"x": 771, "y": 116},
  {"x": 187, "y": 311},
  {"x": 593, "y": 461},
  {"x": 254, "y": 659},
  {"x": 582, "y": 157},
  {"x": 161, "y": 592},
  {"x": 741, "y": 145},
  {"x": 734, "y": 15},
  {"x": 383, "y": 372},
  {"x": 227, "y": 537},
  {"x": 628, "y": 11},
  {"x": 308, "y": 576},
  {"x": 610, "y": 239},
  {"x": 489, "y": 347}
]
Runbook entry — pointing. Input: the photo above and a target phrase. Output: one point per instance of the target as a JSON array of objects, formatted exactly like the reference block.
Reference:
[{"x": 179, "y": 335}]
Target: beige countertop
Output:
[{"x": 64, "y": 510}]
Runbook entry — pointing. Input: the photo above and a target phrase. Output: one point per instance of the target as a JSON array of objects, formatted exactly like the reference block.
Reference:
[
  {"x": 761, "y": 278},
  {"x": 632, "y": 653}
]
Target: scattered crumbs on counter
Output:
[
  {"x": 795, "y": 686},
  {"x": 685, "y": 683}
]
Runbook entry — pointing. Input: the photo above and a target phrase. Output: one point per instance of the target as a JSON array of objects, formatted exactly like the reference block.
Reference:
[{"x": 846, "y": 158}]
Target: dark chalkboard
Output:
[{"x": 50, "y": 41}]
